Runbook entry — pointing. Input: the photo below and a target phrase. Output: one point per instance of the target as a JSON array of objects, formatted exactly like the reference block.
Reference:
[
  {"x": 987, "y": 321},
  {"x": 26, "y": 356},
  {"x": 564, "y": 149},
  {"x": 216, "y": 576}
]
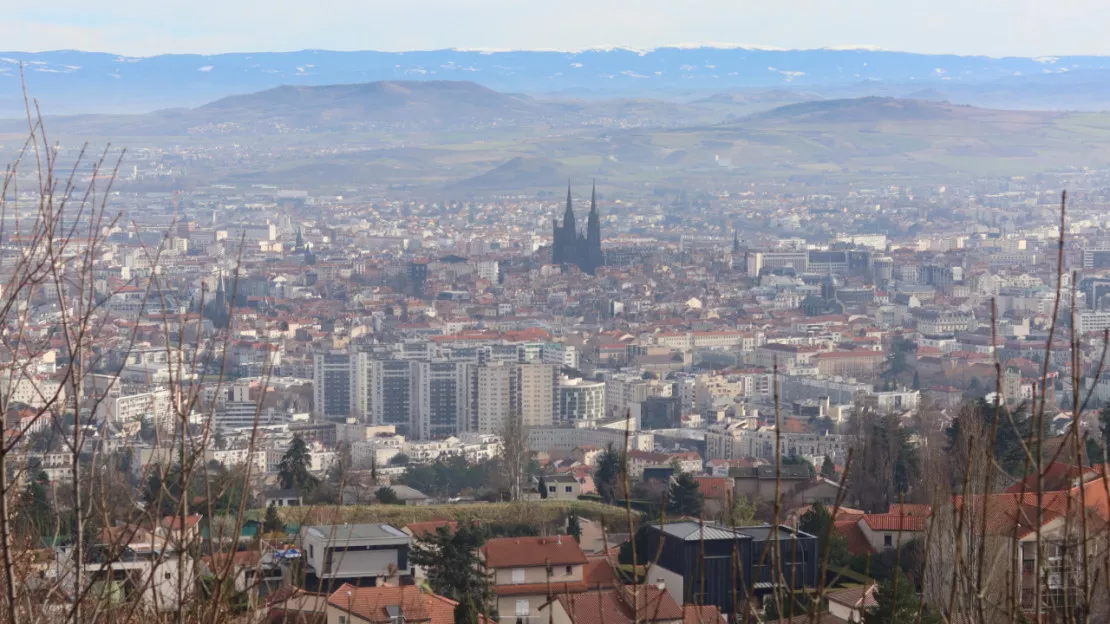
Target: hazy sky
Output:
[{"x": 145, "y": 27}]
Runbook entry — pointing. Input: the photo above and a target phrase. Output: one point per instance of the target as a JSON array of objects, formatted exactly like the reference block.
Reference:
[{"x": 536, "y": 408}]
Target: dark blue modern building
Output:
[{"x": 711, "y": 564}]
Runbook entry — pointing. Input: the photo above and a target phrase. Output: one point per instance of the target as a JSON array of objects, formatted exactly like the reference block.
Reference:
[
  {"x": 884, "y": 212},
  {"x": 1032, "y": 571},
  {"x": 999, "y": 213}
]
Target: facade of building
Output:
[
  {"x": 710, "y": 564},
  {"x": 360, "y": 554},
  {"x": 333, "y": 373},
  {"x": 581, "y": 400},
  {"x": 444, "y": 399}
]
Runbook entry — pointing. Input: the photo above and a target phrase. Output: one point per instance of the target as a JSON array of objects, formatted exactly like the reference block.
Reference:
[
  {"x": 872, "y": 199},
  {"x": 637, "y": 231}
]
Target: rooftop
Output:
[
  {"x": 506, "y": 552},
  {"x": 356, "y": 531}
]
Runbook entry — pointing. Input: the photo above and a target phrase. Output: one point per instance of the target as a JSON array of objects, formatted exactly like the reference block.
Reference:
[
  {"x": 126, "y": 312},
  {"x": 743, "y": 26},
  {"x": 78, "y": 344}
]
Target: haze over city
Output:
[{"x": 578, "y": 313}]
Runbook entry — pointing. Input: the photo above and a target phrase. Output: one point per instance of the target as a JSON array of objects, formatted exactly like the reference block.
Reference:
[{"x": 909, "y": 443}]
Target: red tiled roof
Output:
[
  {"x": 909, "y": 509},
  {"x": 894, "y": 522},
  {"x": 424, "y": 529},
  {"x": 599, "y": 574},
  {"x": 523, "y": 552},
  {"x": 705, "y": 614},
  {"x": 417, "y": 605},
  {"x": 715, "y": 488},
  {"x": 857, "y": 541},
  {"x": 622, "y": 606}
]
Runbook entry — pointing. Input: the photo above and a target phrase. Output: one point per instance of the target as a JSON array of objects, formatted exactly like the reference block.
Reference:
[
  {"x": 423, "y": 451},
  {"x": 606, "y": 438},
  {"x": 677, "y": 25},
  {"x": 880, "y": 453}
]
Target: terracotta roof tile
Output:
[
  {"x": 524, "y": 552},
  {"x": 423, "y": 529},
  {"x": 705, "y": 614},
  {"x": 715, "y": 488},
  {"x": 857, "y": 541},
  {"x": 615, "y": 606},
  {"x": 417, "y": 605},
  {"x": 894, "y": 522}
]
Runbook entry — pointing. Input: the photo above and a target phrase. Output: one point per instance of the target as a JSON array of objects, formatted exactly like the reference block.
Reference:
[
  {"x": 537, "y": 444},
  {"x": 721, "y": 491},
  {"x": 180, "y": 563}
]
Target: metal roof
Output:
[
  {"x": 356, "y": 531},
  {"x": 696, "y": 531}
]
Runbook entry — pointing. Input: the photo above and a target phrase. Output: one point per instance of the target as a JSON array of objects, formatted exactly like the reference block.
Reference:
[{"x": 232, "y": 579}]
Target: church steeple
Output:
[
  {"x": 735, "y": 241},
  {"x": 568, "y": 217},
  {"x": 592, "y": 252}
]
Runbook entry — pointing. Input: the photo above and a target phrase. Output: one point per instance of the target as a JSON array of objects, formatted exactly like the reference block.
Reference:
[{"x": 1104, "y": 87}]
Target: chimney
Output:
[
  {"x": 559, "y": 540},
  {"x": 661, "y": 584}
]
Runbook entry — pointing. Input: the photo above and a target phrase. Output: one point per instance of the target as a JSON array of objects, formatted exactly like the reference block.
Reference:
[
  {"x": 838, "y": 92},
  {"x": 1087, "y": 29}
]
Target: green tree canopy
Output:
[
  {"x": 387, "y": 496},
  {"x": 294, "y": 466},
  {"x": 684, "y": 497},
  {"x": 897, "y": 603},
  {"x": 818, "y": 521},
  {"x": 574, "y": 528},
  {"x": 454, "y": 567},
  {"x": 608, "y": 472},
  {"x": 272, "y": 523}
]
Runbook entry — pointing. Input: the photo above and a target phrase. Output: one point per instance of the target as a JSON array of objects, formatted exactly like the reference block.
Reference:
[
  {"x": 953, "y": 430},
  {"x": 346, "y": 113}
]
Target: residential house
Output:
[
  {"x": 525, "y": 570},
  {"x": 758, "y": 483},
  {"x": 850, "y": 603},
  {"x": 282, "y": 498},
  {"x": 358, "y": 554},
  {"x": 561, "y": 487},
  {"x": 717, "y": 494},
  {"x": 712, "y": 564},
  {"x": 899, "y": 526},
  {"x": 252, "y": 572}
]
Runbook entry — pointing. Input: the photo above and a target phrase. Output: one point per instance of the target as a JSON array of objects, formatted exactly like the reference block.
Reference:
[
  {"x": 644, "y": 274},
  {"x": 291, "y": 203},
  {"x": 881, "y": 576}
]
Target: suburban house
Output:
[
  {"x": 389, "y": 604},
  {"x": 357, "y": 554},
  {"x": 757, "y": 483},
  {"x": 150, "y": 562},
  {"x": 526, "y": 570},
  {"x": 561, "y": 487},
  {"x": 702, "y": 563},
  {"x": 850, "y": 603},
  {"x": 717, "y": 492},
  {"x": 282, "y": 498},
  {"x": 410, "y": 496},
  {"x": 899, "y": 526},
  {"x": 256, "y": 573}
]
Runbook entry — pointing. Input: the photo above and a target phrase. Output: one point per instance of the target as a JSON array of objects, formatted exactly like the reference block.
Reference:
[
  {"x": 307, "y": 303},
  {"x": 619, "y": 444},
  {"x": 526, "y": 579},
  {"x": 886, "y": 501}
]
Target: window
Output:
[
  {"x": 569, "y": 489},
  {"x": 518, "y": 575},
  {"x": 167, "y": 574},
  {"x": 522, "y": 608},
  {"x": 550, "y": 572},
  {"x": 342, "y": 619},
  {"x": 888, "y": 540},
  {"x": 569, "y": 569},
  {"x": 551, "y": 488}
]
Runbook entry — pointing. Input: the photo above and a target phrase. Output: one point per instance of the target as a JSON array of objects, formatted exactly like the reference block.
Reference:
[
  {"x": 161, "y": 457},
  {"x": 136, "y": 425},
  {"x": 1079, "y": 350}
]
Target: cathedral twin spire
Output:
[{"x": 570, "y": 246}]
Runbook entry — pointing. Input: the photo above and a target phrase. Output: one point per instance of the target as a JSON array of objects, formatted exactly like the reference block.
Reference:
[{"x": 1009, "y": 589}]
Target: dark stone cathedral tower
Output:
[{"x": 570, "y": 246}]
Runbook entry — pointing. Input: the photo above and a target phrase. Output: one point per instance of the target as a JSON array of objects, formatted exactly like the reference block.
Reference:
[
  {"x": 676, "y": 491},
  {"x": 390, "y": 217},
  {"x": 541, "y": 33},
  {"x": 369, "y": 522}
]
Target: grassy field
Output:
[{"x": 544, "y": 513}]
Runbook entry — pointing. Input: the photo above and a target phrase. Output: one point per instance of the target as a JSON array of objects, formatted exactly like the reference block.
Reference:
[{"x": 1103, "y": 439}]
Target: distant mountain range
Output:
[{"x": 70, "y": 82}]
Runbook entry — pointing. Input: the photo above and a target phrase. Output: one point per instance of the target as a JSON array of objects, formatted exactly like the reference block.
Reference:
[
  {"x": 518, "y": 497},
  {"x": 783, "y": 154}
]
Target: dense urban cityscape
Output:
[{"x": 344, "y": 353}]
